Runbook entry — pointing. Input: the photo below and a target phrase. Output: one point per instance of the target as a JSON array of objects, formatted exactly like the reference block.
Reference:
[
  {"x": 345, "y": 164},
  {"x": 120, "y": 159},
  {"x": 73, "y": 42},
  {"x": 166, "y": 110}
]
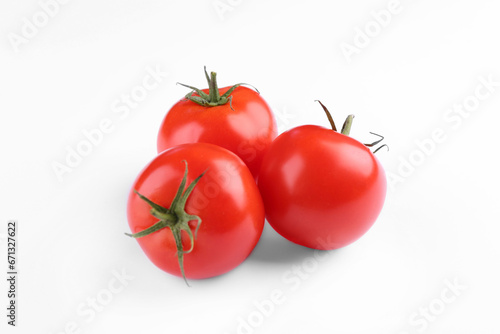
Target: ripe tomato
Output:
[
  {"x": 219, "y": 216},
  {"x": 236, "y": 118},
  {"x": 321, "y": 189}
]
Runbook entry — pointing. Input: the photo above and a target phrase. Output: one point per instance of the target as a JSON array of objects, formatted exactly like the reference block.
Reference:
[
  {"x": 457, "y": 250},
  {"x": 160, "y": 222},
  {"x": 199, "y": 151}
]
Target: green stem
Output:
[
  {"x": 175, "y": 218},
  {"x": 213, "y": 90},
  {"x": 176, "y": 231},
  {"x": 213, "y": 98},
  {"x": 346, "y": 128}
]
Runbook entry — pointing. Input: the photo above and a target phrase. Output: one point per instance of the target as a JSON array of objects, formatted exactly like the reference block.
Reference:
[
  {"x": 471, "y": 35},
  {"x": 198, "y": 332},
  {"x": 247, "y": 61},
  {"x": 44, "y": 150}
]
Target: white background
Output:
[{"x": 440, "y": 224}]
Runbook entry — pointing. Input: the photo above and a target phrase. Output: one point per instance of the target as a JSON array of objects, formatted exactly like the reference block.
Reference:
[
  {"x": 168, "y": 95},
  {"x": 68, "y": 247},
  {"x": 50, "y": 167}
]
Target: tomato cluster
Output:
[{"x": 198, "y": 209}]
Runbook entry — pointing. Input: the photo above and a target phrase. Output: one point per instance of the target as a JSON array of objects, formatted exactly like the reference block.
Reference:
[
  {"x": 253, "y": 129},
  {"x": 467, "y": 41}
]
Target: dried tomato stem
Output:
[{"x": 329, "y": 116}]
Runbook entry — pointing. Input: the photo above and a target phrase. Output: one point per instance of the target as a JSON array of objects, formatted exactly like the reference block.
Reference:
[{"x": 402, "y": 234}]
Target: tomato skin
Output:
[
  {"x": 226, "y": 199},
  {"x": 246, "y": 130},
  {"x": 321, "y": 189}
]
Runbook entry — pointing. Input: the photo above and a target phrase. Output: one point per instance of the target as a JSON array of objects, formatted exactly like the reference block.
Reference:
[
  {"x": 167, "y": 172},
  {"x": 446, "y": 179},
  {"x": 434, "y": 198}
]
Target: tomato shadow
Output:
[{"x": 273, "y": 248}]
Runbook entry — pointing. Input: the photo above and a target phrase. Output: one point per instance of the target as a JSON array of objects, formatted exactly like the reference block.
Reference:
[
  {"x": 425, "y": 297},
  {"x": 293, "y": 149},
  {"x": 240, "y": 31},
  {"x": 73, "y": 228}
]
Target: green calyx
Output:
[
  {"x": 346, "y": 128},
  {"x": 213, "y": 98},
  {"x": 175, "y": 218}
]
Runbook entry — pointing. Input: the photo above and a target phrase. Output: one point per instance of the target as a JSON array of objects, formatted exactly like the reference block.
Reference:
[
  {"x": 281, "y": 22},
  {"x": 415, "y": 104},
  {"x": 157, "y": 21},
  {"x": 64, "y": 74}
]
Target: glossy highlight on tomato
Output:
[
  {"x": 241, "y": 122},
  {"x": 224, "y": 197},
  {"x": 321, "y": 189}
]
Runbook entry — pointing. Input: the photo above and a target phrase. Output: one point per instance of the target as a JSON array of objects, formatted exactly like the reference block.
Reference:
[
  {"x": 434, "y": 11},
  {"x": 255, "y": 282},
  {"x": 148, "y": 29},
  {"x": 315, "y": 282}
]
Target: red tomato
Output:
[
  {"x": 321, "y": 189},
  {"x": 241, "y": 122},
  {"x": 225, "y": 199}
]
